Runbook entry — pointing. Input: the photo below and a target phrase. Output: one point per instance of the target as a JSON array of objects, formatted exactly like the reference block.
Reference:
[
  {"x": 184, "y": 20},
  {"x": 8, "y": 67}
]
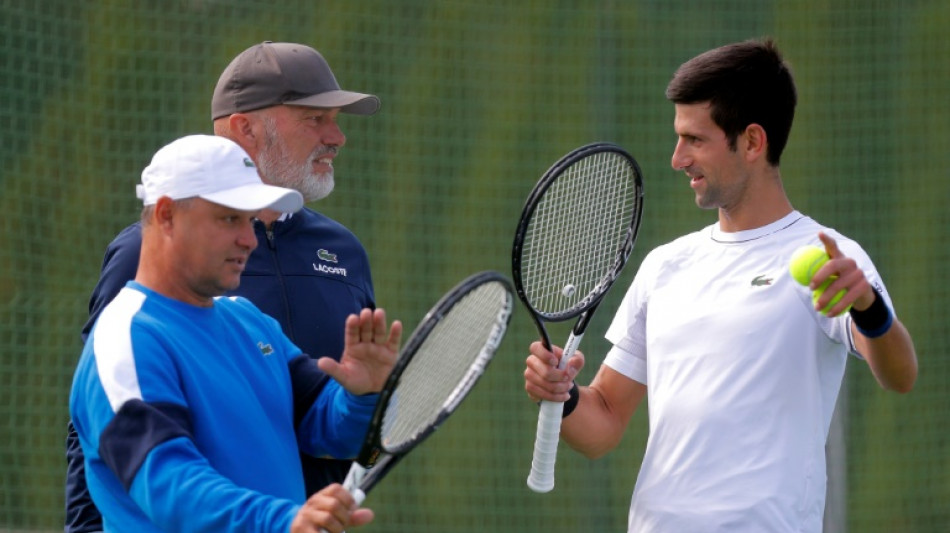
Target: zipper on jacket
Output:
[{"x": 269, "y": 234}]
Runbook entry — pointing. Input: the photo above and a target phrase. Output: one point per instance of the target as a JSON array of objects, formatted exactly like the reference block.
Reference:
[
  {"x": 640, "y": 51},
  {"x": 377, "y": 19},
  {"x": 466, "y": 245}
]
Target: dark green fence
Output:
[{"x": 478, "y": 99}]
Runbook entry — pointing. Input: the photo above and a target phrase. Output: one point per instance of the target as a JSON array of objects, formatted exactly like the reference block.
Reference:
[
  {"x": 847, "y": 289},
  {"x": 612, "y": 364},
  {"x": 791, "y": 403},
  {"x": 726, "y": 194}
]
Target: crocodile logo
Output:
[
  {"x": 761, "y": 281},
  {"x": 324, "y": 255}
]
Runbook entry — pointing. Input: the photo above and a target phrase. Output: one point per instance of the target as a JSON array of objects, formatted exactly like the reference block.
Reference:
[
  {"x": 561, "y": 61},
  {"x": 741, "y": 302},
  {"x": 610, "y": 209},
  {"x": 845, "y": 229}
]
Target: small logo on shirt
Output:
[
  {"x": 324, "y": 255},
  {"x": 266, "y": 349},
  {"x": 761, "y": 281},
  {"x": 327, "y": 257},
  {"x": 248, "y": 163}
]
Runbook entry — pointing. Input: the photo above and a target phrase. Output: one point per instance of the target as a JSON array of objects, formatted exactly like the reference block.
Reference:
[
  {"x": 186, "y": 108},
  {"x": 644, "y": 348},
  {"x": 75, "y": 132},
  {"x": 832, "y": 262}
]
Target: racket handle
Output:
[
  {"x": 351, "y": 484},
  {"x": 353, "y": 477},
  {"x": 541, "y": 478}
]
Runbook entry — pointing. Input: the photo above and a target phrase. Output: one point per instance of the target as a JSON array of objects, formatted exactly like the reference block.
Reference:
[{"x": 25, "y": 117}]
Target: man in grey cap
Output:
[{"x": 280, "y": 103}]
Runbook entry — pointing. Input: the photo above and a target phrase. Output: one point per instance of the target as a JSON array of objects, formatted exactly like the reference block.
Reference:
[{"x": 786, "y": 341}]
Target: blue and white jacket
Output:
[
  {"x": 309, "y": 272},
  {"x": 191, "y": 417}
]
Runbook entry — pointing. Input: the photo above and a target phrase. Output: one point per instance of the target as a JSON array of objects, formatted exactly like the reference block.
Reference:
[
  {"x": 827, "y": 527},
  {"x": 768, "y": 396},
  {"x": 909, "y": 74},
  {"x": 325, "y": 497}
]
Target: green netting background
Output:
[{"x": 479, "y": 97}]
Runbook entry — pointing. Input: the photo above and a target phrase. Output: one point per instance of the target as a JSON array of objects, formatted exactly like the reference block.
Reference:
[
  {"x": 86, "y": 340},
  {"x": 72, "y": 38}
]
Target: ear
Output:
[
  {"x": 756, "y": 142},
  {"x": 164, "y": 213},
  {"x": 243, "y": 129}
]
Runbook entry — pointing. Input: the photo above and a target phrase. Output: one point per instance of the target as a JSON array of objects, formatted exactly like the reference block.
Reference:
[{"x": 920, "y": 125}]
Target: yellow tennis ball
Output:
[
  {"x": 803, "y": 265},
  {"x": 805, "y": 262},
  {"x": 821, "y": 290}
]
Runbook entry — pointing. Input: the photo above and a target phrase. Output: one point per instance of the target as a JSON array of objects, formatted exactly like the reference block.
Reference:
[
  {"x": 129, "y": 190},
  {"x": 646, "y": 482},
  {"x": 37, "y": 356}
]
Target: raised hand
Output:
[{"x": 369, "y": 352}]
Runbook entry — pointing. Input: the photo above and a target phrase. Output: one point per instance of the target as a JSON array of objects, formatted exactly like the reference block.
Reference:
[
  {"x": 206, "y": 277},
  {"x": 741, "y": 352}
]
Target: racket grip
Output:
[
  {"x": 541, "y": 478},
  {"x": 353, "y": 477},
  {"x": 351, "y": 484}
]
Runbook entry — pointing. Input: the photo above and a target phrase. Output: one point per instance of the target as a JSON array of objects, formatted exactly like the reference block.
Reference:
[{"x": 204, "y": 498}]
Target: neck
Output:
[
  {"x": 157, "y": 271},
  {"x": 763, "y": 202},
  {"x": 268, "y": 217}
]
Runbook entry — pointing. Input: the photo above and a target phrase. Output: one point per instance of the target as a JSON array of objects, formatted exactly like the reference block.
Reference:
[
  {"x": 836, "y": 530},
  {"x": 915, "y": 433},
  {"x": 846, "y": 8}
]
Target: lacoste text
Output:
[{"x": 329, "y": 270}]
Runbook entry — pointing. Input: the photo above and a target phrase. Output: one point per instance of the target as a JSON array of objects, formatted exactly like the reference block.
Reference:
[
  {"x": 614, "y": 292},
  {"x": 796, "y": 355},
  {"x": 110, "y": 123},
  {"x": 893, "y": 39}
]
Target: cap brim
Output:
[
  {"x": 257, "y": 196},
  {"x": 348, "y": 102}
]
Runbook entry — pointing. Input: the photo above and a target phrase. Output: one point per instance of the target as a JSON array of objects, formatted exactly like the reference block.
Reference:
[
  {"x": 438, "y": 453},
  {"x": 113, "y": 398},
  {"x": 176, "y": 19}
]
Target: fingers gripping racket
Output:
[
  {"x": 440, "y": 363},
  {"x": 577, "y": 230}
]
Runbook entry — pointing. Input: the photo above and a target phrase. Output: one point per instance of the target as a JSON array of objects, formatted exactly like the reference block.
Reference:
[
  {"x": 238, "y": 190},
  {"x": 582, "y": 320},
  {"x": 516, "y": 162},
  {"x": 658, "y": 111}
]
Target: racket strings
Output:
[
  {"x": 576, "y": 233},
  {"x": 447, "y": 363}
]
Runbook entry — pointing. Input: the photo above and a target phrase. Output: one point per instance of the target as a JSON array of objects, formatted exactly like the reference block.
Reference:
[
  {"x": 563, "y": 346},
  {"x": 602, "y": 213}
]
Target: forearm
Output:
[
  {"x": 603, "y": 411},
  {"x": 884, "y": 342},
  {"x": 891, "y": 357},
  {"x": 590, "y": 429},
  {"x": 179, "y": 491},
  {"x": 336, "y": 423}
]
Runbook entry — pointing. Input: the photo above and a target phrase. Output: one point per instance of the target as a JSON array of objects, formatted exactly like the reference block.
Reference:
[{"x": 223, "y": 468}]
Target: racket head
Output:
[
  {"x": 576, "y": 232},
  {"x": 440, "y": 363}
]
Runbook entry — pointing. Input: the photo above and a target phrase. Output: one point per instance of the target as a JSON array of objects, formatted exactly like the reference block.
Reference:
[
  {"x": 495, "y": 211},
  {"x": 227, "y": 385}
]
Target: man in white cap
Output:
[
  {"x": 191, "y": 408},
  {"x": 280, "y": 102}
]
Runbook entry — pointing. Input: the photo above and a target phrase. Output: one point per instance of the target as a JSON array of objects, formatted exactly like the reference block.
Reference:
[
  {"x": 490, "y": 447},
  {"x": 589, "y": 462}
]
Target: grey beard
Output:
[
  {"x": 315, "y": 187},
  {"x": 312, "y": 186}
]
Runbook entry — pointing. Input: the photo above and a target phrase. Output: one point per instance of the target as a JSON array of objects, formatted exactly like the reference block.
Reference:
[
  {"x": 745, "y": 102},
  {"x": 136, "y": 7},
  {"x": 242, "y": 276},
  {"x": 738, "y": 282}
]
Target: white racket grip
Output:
[
  {"x": 353, "y": 478},
  {"x": 541, "y": 478},
  {"x": 351, "y": 484}
]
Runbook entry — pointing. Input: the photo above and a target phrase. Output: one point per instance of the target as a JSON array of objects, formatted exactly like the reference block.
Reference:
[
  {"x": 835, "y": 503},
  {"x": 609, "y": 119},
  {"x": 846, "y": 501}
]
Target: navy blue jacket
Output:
[{"x": 309, "y": 272}]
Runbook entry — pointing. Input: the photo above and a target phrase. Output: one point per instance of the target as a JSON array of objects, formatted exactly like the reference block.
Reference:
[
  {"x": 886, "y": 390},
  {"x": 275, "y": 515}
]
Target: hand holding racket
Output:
[
  {"x": 441, "y": 362},
  {"x": 576, "y": 232}
]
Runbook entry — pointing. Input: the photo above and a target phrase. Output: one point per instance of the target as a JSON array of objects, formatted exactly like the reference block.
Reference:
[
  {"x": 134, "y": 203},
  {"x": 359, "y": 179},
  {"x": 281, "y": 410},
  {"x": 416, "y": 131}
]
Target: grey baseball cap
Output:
[{"x": 270, "y": 73}]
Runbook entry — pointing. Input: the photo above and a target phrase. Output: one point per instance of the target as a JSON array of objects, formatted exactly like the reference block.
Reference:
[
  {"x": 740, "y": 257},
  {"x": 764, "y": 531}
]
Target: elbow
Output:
[
  {"x": 595, "y": 454},
  {"x": 591, "y": 454},
  {"x": 904, "y": 389},
  {"x": 596, "y": 449},
  {"x": 905, "y": 385},
  {"x": 901, "y": 388},
  {"x": 903, "y": 382}
]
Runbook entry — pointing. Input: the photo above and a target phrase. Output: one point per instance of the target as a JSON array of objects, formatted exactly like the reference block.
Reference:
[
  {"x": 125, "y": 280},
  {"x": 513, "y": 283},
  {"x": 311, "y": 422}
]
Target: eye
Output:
[{"x": 315, "y": 119}]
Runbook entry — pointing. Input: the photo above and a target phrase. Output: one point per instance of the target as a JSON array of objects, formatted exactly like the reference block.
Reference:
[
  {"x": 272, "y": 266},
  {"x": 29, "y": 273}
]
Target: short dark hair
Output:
[{"x": 745, "y": 83}]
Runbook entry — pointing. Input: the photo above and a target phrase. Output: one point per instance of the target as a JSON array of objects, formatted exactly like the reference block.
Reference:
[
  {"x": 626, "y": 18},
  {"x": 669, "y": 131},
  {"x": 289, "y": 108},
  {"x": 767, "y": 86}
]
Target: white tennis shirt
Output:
[{"x": 742, "y": 377}]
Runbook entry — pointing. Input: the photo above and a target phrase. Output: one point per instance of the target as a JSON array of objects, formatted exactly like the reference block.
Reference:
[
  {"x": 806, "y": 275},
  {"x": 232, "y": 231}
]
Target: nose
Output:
[
  {"x": 679, "y": 161},
  {"x": 246, "y": 237},
  {"x": 332, "y": 135}
]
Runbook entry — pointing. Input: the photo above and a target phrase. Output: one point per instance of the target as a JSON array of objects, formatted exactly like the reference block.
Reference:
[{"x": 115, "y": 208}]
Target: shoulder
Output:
[
  {"x": 129, "y": 237},
  {"x": 243, "y": 310},
  {"x": 119, "y": 314},
  {"x": 687, "y": 245},
  {"x": 805, "y": 231},
  {"x": 237, "y": 304},
  {"x": 310, "y": 229},
  {"x": 125, "y": 246},
  {"x": 307, "y": 218}
]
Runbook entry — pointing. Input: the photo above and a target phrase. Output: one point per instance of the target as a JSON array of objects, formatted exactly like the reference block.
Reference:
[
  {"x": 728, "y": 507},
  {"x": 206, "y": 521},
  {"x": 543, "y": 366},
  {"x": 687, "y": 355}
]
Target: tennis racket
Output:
[
  {"x": 577, "y": 230},
  {"x": 441, "y": 362}
]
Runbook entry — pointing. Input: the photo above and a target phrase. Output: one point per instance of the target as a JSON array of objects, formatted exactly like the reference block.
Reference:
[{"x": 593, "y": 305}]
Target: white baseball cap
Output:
[{"x": 216, "y": 169}]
